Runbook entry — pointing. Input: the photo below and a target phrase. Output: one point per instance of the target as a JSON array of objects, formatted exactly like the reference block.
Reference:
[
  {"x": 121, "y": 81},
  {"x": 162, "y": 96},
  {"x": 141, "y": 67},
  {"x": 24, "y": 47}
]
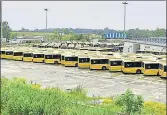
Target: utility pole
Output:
[
  {"x": 46, "y": 20},
  {"x": 124, "y": 3}
]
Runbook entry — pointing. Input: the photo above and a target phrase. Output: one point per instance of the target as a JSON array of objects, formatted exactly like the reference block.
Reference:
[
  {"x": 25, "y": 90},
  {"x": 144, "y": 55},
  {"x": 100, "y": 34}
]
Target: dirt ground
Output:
[{"x": 96, "y": 82}]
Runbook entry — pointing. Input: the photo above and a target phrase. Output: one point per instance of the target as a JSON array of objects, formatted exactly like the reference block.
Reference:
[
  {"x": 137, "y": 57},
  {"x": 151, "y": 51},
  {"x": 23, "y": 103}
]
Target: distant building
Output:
[
  {"x": 114, "y": 35},
  {"x": 28, "y": 39}
]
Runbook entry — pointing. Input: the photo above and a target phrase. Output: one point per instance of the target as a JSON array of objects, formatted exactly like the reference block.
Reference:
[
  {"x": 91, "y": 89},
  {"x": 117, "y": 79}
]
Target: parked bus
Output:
[
  {"x": 38, "y": 57},
  {"x": 2, "y": 54},
  {"x": 71, "y": 61},
  {"x": 99, "y": 63},
  {"x": 8, "y": 54},
  {"x": 131, "y": 66},
  {"x": 83, "y": 62},
  {"x": 27, "y": 57},
  {"x": 18, "y": 55},
  {"x": 163, "y": 70},
  {"x": 150, "y": 68},
  {"x": 52, "y": 58},
  {"x": 115, "y": 65}
]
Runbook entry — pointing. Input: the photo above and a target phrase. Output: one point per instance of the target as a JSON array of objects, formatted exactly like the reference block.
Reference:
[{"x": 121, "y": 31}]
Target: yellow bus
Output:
[
  {"x": 71, "y": 61},
  {"x": 27, "y": 57},
  {"x": 38, "y": 57},
  {"x": 99, "y": 63},
  {"x": 52, "y": 58},
  {"x": 18, "y": 55},
  {"x": 150, "y": 68},
  {"x": 2, "y": 54},
  {"x": 83, "y": 62},
  {"x": 132, "y": 66},
  {"x": 162, "y": 70},
  {"x": 115, "y": 65},
  {"x": 8, "y": 54}
]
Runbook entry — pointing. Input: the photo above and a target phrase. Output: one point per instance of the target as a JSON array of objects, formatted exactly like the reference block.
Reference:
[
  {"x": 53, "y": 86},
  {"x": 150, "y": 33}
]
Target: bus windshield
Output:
[{"x": 165, "y": 69}]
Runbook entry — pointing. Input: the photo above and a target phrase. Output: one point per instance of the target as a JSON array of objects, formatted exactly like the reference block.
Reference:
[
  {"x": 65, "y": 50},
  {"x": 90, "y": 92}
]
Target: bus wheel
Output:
[
  {"x": 138, "y": 71},
  {"x": 55, "y": 62},
  {"x": 104, "y": 68},
  {"x": 76, "y": 65}
]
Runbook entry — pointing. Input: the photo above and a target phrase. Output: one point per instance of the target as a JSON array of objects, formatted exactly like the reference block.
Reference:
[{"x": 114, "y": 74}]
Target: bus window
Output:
[
  {"x": 132, "y": 64},
  {"x": 38, "y": 55},
  {"x": 104, "y": 61},
  {"x": 2, "y": 52},
  {"x": 71, "y": 58},
  {"x": 48, "y": 57},
  {"x": 95, "y": 62},
  {"x": 160, "y": 66},
  {"x": 56, "y": 56},
  {"x": 62, "y": 57},
  {"x": 142, "y": 64},
  {"x": 9, "y": 53},
  {"x": 28, "y": 55},
  {"x": 83, "y": 60},
  {"x": 151, "y": 66},
  {"x": 115, "y": 63},
  {"x": 165, "y": 68},
  {"x": 18, "y": 54}
]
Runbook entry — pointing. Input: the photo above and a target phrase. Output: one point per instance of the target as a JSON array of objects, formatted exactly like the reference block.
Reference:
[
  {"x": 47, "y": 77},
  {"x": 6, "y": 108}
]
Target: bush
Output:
[{"x": 130, "y": 103}]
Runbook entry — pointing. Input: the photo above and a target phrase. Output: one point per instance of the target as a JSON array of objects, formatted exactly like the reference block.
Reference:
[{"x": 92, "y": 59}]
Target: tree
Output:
[
  {"x": 58, "y": 34},
  {"x": 130, "y": 103},
  {"x": 6, "y": 30}
]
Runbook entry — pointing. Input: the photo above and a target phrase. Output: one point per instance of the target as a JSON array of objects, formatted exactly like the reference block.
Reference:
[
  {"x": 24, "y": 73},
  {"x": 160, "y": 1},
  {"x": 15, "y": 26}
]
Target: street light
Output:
[
  {"x": 46, "y": 19},
  {"x": 124, "y": 16}
]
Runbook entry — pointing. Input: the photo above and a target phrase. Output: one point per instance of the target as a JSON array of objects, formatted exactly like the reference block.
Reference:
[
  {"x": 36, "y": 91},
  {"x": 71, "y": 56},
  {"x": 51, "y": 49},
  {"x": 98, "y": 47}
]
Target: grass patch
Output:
[{"x": 20, "y": 98}]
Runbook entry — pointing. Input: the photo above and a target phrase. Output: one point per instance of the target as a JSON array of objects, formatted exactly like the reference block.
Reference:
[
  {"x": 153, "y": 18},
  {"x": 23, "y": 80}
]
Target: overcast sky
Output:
[{"x": 84, "y": 14}]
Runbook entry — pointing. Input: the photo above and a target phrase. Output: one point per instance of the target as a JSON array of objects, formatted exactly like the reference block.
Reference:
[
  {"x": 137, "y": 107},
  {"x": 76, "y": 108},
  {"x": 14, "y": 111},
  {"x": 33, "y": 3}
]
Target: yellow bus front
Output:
[
  {"x": 9, "y": 55},
  {"x": 38, "y": 58},
  {"x": 163, "y": 70},
  {"x": 27, "y": 57},
  {"x": 2, "y": 54},
  {"x": 84, "y": 63},
  {"x": 18, "y": 56},
  {"x": 62, "y": 60},
  {"x": 151, "y": 69},
  {"x": 71, "y": 62},
  {"x": 132, "y": 67},
  {"x": 115, "y": 66}
]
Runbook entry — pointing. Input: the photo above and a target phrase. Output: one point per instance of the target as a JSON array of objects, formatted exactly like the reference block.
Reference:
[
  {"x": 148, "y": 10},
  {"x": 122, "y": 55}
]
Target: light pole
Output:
[
  {"x": 124, "y": 16},
  {"x": 46, "y": 19}
]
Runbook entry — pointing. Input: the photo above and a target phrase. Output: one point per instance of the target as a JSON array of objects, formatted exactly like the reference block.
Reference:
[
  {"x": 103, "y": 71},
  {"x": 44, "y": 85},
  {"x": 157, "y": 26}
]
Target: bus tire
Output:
[
  {"x": 138, "y": 71},
  {"x": 76, "y": 65},
  {"x": 55, "y": 62},
  {"x": 104, "y": 68}
]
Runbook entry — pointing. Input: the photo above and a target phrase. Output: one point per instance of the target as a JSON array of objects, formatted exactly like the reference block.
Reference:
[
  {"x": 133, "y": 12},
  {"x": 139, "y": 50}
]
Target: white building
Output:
[{"x": 29, "y": 39}]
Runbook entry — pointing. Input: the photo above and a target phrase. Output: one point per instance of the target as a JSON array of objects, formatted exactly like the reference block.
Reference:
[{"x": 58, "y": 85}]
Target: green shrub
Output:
[{"x": 130, "y": 103}]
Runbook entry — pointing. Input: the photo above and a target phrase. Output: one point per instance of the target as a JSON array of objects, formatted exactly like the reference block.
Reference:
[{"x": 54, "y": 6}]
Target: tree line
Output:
[{"x": 74, "y": 33}]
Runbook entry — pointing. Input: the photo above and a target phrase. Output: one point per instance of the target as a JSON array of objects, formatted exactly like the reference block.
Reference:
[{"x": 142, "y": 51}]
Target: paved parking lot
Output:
[{"x": 98, "y": 83}]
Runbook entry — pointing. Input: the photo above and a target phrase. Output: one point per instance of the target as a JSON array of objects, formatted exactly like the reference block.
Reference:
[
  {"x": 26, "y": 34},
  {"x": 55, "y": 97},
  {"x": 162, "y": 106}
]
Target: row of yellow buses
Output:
[{"x": 130, "y": 63}]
